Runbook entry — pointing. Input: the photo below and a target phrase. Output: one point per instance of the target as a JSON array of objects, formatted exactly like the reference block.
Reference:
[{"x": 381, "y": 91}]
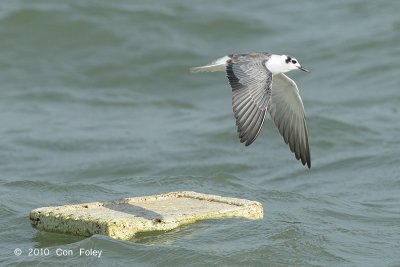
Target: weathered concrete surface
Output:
[{"x": 123, "y": 218}]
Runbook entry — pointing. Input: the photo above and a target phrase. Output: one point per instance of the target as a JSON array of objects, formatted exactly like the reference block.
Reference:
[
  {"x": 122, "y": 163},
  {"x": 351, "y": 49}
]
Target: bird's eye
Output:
[{"x": 294, "y": 61}]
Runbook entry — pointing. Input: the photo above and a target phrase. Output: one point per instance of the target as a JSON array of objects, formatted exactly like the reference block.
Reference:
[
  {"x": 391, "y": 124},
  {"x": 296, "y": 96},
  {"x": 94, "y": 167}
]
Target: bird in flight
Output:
[{"x": 259, "y": 85}]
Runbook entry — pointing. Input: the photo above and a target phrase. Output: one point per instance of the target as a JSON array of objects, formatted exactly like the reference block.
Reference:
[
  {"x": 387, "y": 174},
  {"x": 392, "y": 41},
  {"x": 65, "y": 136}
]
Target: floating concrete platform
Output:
[{"x": 123, "y": 218}]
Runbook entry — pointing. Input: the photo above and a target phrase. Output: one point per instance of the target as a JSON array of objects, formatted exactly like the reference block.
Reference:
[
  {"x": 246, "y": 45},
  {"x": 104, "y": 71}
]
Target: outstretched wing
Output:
[
  {"x": 251, "y": 91},
  {"x": 287, "y": 111}
]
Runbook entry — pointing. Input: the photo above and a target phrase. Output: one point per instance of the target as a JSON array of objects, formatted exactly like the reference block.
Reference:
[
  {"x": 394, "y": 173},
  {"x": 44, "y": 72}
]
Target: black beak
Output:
[{"x": 303, "y": 69}]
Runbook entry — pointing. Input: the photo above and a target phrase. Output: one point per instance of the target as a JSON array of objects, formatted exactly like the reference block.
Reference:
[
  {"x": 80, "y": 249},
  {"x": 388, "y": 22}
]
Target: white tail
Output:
[{"x": 217, "y": 65}]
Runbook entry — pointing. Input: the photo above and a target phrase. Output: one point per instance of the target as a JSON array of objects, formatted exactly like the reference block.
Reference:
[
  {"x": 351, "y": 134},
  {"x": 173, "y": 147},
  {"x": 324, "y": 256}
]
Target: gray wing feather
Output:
[
  {"x": 251, "y": 90},
  {"x": 287, "y": 111}
]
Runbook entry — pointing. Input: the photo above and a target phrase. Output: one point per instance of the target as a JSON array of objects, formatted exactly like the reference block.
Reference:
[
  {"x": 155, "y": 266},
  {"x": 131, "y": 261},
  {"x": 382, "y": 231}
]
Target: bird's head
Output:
[
  {"x": 292, "y": 63},
  {"x": 283, "y": 63}
]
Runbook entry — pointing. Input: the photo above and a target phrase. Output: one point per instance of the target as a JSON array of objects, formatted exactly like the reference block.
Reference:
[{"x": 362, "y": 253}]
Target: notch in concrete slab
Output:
[{"x": 123, "y": 218}]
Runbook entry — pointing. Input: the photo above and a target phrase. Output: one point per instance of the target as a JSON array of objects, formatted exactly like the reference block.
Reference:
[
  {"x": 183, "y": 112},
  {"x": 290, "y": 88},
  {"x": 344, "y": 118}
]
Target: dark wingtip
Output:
[
  {"x": 306, "y": 160},
  {"x": 249, "y": 142},
  {"x": 246, "y": 142}
]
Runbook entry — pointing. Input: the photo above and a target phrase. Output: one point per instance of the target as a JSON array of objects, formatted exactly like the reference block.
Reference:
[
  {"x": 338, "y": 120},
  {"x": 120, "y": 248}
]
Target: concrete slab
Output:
[{"x": 123, "y": 218}]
